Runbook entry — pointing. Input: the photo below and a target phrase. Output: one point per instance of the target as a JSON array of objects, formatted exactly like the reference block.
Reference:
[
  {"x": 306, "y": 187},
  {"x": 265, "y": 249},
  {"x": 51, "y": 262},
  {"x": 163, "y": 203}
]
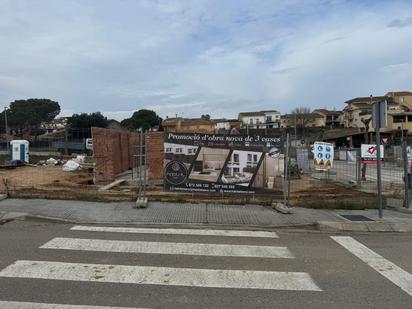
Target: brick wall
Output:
[
  {"x": 113, "y": 152},
  {"x": 155, "y": 155}
]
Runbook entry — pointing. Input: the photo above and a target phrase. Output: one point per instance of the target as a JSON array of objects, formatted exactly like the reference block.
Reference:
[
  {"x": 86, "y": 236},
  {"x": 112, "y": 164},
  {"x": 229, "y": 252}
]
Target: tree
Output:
[
  {"x": 86, "y": 121},
  {"x": 142, "y": 119},
  {"x": 205, "y": 117},
  {"x": 301, "y": 117},
  {"x": 29, "y": 114}
]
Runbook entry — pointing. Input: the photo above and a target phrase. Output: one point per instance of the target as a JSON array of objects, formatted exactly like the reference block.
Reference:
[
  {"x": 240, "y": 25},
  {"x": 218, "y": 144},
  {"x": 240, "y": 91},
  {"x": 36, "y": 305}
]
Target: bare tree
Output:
[{"x": 301, "y": 117}]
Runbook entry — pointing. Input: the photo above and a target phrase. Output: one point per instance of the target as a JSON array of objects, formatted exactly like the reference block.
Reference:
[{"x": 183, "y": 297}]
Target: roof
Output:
[
  {"x": 367, "y": 99},
  {"x": 327, "y": 112},
  {"x": 399, "y": 93},
  {"x": 308, "y": 115},
  {"x": 186, "y": 121},
  {"x": 243, "y": 114},
  {"x": 271, "y": 111}
]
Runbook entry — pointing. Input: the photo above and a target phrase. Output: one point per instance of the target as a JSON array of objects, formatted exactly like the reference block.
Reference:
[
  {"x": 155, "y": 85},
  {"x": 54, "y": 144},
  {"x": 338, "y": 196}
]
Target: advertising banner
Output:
[
  {"x": 369, "y": 153},
  {"x": 223, "y": 163},
  {"x": 323, "y": 156}
]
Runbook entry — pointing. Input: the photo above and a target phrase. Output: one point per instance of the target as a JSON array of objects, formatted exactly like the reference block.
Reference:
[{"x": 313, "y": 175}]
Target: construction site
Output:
[{"x": 123, "y": 163}]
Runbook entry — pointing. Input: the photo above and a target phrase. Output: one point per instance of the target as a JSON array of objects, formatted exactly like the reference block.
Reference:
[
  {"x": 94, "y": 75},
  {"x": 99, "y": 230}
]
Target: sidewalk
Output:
[{"x": 123, "y": 213}]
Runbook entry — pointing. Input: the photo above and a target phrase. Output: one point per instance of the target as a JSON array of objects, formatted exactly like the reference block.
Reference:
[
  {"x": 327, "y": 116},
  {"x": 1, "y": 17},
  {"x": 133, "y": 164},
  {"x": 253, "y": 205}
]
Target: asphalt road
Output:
[{"x": 181, "y": 269}]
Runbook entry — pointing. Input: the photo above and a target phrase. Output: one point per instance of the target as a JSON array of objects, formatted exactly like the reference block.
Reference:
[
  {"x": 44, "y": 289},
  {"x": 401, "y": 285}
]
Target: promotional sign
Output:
[
  {"x": 223, "y": 163},
  {"x": 302, "y": 156},
  {"x": 369, "y": 153},
  {"x": 323, "y": 156}
]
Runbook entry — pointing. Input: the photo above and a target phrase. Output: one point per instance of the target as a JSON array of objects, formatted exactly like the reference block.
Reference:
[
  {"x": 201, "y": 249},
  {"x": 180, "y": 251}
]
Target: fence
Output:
[{"x": 347, "y": 180}]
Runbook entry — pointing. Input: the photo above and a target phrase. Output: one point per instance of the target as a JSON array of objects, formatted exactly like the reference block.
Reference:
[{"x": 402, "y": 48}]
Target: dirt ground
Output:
[{"x": 53, "y": 182}]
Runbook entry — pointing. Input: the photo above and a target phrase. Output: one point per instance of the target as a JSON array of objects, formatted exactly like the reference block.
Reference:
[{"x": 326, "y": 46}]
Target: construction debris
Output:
[
  {"x": 71, "y": 166},
  {"x": 112, "y": 185}
]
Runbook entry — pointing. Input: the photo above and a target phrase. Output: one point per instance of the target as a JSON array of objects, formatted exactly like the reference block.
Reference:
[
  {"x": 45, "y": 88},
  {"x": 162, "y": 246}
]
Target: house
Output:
[
  {"x": 113, "y": 124},
  {"x": 188, "y": 125},
  {"x": 304, "y": 120},
  {"x": 260, "y": 120},
  {"x": 358, "y": 112},
  {"x": 331, "y": 118},
  {"x": 55, "y": 125},
  {"x": 225, "y": 126},
  {"x": 403, "y": 98}
]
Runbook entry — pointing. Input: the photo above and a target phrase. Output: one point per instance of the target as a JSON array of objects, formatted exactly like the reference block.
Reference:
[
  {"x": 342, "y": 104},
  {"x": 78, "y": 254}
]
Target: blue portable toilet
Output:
[{"x": 19, "y": 150}]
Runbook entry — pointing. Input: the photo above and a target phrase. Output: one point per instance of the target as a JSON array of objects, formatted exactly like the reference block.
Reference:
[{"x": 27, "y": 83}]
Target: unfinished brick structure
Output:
[{"x": 114, "y": 150}]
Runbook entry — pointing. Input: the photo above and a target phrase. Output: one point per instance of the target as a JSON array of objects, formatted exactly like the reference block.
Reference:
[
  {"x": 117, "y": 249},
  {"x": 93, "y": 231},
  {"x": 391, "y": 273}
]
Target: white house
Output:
[
  {"x": 260, "y": 120},
  {"x": 241, "y": 159},
  {"x": 180, "y": 149}
]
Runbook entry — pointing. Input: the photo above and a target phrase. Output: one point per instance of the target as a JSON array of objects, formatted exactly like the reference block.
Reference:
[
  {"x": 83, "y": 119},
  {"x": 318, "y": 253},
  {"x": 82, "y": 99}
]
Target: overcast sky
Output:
[{"x": 194, "y": 57}]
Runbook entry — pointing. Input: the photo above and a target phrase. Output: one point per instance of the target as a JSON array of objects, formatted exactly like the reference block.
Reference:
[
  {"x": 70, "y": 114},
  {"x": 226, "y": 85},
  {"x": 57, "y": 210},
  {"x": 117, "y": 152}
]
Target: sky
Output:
[{"x": 199, "y": 57}]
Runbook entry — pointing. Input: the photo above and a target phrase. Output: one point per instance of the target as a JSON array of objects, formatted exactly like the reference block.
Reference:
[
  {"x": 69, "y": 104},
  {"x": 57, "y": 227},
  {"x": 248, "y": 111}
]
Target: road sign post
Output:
[{"x": 379, "y": 120}]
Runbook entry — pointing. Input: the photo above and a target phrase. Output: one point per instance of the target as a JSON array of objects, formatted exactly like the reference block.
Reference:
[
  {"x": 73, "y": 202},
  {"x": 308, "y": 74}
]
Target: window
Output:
[
  {"x": 191, "y": 150},
  {"x": 255, "y": 158},
  {"x": 235, "y": 158},
  {"x": 257, "y": 120},
  {"x": 168, "y": 150},
  {"x": 236, "y": 170},
  {"x": 251, "y": 121},
  {"x": 398, "y": 119},
  {"x": 268, "y": 118},
  {"x": 409, "y": 118},
  {"x": 179, "y": 150}
]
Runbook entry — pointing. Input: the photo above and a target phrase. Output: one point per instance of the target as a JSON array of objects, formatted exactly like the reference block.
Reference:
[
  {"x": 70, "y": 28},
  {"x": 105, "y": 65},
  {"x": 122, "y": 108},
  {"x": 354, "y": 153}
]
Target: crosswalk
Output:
[{"x": 158, "y": 275}]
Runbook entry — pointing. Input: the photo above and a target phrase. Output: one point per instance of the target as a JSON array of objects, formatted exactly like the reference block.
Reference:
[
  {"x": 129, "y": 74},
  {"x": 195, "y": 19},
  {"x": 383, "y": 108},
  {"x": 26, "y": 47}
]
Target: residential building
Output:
[
  {"x": 403, "y": 98},
  {"x": 188, "y": 125},
  {"x": 260, "y": 120},
  {"x": 225, "y": 126},
  {"x": 302, "y": 120},
  {"x": 113, "y": 124},
  {"x": 55, "y": 125},
  {"x": 358, "y": 112},
  {"x": 330, "y": 118}
]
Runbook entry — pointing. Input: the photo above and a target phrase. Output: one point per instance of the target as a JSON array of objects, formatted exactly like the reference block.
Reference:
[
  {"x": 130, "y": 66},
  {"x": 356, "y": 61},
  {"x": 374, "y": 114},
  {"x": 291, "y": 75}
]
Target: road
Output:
[{"x": 50, "y": 265}]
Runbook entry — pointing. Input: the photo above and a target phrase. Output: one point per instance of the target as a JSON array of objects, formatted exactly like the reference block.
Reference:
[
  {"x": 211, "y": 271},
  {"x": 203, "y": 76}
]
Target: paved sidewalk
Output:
[{"x": 177, "y": 213}]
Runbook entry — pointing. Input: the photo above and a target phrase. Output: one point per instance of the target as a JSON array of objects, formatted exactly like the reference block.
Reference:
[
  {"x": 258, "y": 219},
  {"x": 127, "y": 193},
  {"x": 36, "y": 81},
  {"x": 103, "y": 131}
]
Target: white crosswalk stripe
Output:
[
  {"x": 30, "y": 305},
  {"x": 167, "y": 248},
  {"x": 156, "y": 275},
  {"x": 392, "y": 272},
  {"x": 166, "y": 231},
  {"x": 216, "y": 278}
]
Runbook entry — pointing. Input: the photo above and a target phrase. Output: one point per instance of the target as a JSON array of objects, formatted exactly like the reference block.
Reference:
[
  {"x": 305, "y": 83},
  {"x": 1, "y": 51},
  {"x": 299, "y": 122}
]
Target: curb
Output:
[
  {"x": 3, "y": 197},
  {"x": 31, "y": 217},
  {"x": 399, "y": 227}
]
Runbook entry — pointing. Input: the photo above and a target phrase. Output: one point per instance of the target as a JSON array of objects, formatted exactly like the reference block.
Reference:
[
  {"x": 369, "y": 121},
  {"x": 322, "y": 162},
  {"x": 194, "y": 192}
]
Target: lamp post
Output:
[{"x": 6, "y": 127}]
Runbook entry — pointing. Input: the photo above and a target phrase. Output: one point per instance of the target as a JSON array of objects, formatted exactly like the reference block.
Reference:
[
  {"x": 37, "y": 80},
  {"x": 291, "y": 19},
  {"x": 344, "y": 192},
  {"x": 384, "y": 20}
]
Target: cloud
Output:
[
  {"x": 202, "y": 57},
  {"x": 400, "y": 23}
]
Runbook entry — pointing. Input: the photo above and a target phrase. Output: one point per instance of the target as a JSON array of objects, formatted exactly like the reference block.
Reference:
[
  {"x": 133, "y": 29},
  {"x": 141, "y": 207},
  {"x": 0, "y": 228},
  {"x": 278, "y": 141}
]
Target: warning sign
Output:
[
  {"x": 323, "y": 156},
  {"x": 369, "y": 153}
]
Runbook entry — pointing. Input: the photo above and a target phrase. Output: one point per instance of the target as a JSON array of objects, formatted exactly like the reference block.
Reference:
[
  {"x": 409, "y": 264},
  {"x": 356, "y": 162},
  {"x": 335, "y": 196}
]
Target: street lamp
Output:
[{"x": 6, "y": 127}]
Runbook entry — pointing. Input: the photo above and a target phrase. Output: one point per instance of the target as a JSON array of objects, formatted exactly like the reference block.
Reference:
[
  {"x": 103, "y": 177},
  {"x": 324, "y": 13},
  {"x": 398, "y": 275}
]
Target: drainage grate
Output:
[{"x": 356, "y": 218}]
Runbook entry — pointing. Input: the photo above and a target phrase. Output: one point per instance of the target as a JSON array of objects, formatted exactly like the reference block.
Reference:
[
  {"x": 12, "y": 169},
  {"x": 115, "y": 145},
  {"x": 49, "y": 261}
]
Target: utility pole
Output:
[{"x": 7, "y": 128}]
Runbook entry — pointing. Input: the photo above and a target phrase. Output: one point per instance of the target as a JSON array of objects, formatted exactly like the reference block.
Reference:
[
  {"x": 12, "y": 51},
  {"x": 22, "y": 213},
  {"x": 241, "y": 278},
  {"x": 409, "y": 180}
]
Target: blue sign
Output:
[
  {"x": 327, "y": 156},
  {"x": 328, "y": 148},
  {"x": 320, "y": 155},
  {"x": 320, "y": 148}
]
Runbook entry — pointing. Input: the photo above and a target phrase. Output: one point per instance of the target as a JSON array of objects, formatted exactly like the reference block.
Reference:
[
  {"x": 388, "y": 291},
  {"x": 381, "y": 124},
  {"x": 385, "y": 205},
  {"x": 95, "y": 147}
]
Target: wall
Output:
[
  {"x": 114, "y": 150},
  {"x": 155, "y": 155}
]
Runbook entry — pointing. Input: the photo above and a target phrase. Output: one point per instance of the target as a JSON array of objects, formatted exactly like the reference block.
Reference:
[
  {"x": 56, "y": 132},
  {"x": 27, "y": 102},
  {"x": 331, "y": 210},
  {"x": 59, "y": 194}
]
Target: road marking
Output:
[
  {"x": 167, "y": 248},
  {"x": 28, "y": 305},
  {"x": 397, "y": 275},
  {"x": 175, "y": 231},
  {"x": 214, "y": 278}
]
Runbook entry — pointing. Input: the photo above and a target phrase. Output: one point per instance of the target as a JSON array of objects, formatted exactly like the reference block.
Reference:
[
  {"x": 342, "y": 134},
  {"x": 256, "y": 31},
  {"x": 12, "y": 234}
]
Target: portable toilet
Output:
[{"x": 19, "y": 150}]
